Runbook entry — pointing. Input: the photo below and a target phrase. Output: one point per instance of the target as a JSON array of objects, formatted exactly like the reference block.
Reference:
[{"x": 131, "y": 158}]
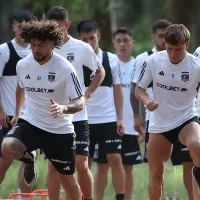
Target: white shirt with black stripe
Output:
[
  {"x": 56, "y": 79},
  {"x": 8, "y": 83},
  {"x": 101, "y": 106},
  {"x": 127, "y": 71},
  {"x": 79, "y": 54},
  {"x": 140, "y": 61},
  {"x": 197, "y": 54},
  {"x": 174, "y": 88}
]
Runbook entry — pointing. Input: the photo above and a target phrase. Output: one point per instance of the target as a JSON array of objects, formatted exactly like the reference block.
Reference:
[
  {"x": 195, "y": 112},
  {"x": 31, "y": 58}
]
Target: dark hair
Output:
[
  {"x": 23, "y": 15},
  {"x": 42, "y": 30},
  {"x": 122, "y": 30},
  {"x": 160, "y": 24},
  {"x": 87, "y": 26},
  {"x": 177, "y": 34},
  {"x": 57, "y": 13}
]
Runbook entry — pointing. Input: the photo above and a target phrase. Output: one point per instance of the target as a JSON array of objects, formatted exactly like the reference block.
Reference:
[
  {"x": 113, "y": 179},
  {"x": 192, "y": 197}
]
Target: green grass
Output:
[{"x": 173, "y": 181}]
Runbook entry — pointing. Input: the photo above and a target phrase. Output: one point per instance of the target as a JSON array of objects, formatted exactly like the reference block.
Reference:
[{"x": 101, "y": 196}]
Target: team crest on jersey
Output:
[
  {"x": 70, "y": 57},
  {"x": 185, "y": 76},
  {"x": 51, "y": 77}
]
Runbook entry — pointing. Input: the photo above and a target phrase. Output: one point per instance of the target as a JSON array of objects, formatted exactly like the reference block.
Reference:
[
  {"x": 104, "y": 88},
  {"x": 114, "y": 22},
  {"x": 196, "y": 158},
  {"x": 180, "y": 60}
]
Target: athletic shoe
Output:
[{"x": 31, "y": 171}]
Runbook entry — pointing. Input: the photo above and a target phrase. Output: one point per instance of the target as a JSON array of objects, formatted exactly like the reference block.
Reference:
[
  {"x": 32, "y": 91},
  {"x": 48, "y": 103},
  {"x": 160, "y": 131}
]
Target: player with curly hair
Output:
[{"x": 50, "y": 87}]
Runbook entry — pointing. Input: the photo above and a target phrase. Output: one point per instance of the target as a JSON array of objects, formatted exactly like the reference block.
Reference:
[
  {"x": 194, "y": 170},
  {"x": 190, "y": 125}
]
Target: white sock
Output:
[{"x": 21, "y": 197}]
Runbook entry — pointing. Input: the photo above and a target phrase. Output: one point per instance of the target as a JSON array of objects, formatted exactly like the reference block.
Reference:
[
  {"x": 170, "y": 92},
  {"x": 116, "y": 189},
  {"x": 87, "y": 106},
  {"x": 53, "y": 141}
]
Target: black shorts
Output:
[
  {"x": 4, "y": 131},
  {"x": 81, "y": 129},
  {"x": 58, "y": 148},
  {"x": 130, "y": 153},
  {"x": 105, "y": 135},
  {"x": 180, "y": 153}
]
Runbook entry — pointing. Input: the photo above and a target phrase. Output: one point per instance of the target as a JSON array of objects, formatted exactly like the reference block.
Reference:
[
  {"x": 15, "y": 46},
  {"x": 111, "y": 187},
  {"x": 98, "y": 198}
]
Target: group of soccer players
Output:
[{"x": 79, "y": 104}]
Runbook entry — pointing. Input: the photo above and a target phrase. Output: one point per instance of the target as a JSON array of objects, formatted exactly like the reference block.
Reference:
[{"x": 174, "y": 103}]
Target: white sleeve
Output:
[
  {"x": 90, "y": 59},
  {"x": 197, "y": 52},
  {"x": 18, "y": 70},
  {"x": 116, "y": 75},
  {"x": 138, "y": 67},
  {"x": 72, "y": 83},
  {"x": 146, "y": 76},
  {"x": 4, "y": 57}
]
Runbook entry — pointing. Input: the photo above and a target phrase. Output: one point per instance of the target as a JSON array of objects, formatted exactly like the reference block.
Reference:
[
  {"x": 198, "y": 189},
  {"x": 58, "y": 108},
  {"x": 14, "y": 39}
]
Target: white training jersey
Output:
[
  {"x": 197, "y": 54},
  {"x": 56, "y": 79},
  {"x": 140, "y": 60},
  {"x": 127, "y": 71},
  {"x": 8, "y": 83},
  {"x": 80, "y": 55},
  {"x": 101, "y": 106},
  {"x": 174, "y": 88}
]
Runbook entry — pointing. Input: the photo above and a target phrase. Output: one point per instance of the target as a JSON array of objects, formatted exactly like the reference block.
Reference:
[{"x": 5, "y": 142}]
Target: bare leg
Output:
[
  {"x": 53, "y": 182},
  {"x": 187, "y": 178},
  {"x": 71, "y": 187},
  {"x": 4, "y": 165},
  {"x": 101, "y": 180},
  {"x": 118, "y": 173},
  {"x": 129, "y": 182},
  {"x": 85, "y": 177},
  {"x": 159, "y": 151}
]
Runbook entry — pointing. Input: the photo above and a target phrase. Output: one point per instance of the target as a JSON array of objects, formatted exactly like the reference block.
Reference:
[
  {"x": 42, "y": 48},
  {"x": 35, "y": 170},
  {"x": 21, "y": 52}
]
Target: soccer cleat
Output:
[{"x": 31, "y": 171}]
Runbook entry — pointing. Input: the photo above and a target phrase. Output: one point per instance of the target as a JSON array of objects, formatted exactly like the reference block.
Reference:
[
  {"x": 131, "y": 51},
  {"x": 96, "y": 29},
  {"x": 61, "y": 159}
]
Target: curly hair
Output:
[{"x": 42, "y": 30}]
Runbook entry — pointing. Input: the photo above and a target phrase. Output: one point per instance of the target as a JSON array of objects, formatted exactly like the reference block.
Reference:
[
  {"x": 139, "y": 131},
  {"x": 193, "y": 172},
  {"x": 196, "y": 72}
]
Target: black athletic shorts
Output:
[
  {"x": 131, "y": 154},
  {"x": 81, "y": 129},
  {"x": 58, "y": 148},
  {"x": 180, "y": 153},
  {"x": 105, "y": 135},
  {"x": 4, "y": 131}
]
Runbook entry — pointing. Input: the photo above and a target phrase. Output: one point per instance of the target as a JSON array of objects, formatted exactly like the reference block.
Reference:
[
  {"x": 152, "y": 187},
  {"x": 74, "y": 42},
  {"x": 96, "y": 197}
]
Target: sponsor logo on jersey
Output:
[
  {"x": 27, "y": 77},
  {"x": 70, "y": 57},
  {"x": 161, "y": 73},
  {"x": 173, "y": 88},
  {"x": 185, "y": 76},
  {"x": 51, "y": 77},
  {"x": 40, "y": 90}
]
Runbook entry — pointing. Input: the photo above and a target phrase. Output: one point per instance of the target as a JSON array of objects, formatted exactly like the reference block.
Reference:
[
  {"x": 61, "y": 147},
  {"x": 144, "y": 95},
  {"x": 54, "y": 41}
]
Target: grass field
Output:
[{"x": 173, "y": 182}]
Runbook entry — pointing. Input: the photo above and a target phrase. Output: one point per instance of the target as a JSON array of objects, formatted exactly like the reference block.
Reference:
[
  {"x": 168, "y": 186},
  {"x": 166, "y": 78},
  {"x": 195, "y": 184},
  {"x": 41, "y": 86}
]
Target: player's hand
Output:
[
  {"x": 139, "y": 123},
  {"x": 120, "y": 127},
  {"x": 56, "y": 109},
  {"x": 152, "y": 105},
  {"x": 141, "y": 137},
  {"x": 14, "y": 121},
  {"x": 87, "y": 96},
  {"x": 4, "y": 119}
]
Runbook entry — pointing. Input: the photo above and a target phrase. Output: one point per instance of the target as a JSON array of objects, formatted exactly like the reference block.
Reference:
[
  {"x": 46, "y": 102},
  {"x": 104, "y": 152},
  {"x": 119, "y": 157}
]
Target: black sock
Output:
[
  {"x": 196, "y": 173},
  {"x": 119, "y": 196},
  {"x": 87, "y": 199},
  {"x": 27, "y": 158}
]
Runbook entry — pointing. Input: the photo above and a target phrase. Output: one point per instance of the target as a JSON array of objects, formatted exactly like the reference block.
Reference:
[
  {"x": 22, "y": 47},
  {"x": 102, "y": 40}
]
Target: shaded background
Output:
[{"x": 138, "y": 15}]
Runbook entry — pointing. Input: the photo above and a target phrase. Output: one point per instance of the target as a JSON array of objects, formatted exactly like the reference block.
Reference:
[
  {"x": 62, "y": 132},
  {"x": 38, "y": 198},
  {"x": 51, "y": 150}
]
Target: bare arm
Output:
[
  {"x": 134, "y": 101},
  {"x": 142, "y": 96},
  {"x": 118, "y": 98},
  {"x": 74, "y": 106},
  {"x": 96, "y": 81},
  {"x": 20, "y": 99}
]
